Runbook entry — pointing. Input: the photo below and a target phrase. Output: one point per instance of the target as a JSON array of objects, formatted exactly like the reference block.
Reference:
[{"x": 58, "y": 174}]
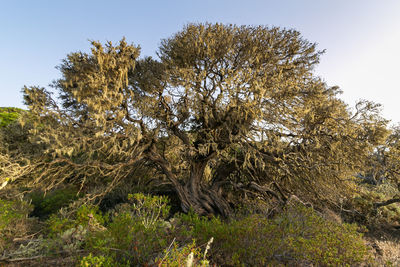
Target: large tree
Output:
[
  {"x": 16, "y": 150},
  {"x": 223, "y": 107}
]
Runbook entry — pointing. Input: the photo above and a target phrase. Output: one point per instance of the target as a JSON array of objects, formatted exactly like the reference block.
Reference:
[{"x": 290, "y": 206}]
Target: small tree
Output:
[{"x": 223, "y": 106}]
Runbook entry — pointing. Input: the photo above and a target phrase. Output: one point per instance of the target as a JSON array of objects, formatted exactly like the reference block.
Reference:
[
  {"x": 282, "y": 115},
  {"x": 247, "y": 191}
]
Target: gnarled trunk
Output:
[{"x": 203, "y": 199}]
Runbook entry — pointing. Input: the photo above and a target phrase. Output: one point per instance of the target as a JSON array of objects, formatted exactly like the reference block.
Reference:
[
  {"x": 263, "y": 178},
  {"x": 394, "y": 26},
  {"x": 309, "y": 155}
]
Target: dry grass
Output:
[{"x": 389, "y": 252}]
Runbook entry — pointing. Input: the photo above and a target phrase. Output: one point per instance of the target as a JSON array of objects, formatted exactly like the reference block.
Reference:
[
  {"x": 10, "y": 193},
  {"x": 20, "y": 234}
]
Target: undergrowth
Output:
[{"x": 142, "y": 232}]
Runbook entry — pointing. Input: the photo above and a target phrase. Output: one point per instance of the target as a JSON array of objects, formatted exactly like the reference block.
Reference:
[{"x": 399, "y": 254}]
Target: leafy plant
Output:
[
  {"x": 13, "y": 220},
  {"x": 9, "y": 115},
  {"x": 47, "y": 204},
  {"x": 136, "y": 232},
  {"x": 296, "y": 236},
  {"x": 98, "y": 261},
  {"x": 150, "y": 209},
  {"x": 87, "y": 216}
]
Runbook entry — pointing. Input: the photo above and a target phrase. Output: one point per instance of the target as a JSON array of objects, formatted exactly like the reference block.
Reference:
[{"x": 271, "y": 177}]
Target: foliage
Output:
[
  {"x": 223, "y": 107},
  {"x": 380, "y": 179},
  {"x": 363, "y": 205},
  {"x": 377, "y": 201},
  {"x": 97, "y": 261},
  {"x": 16, "y": 150},
  {"x": 149, "y": 209},
  {"x": 87, "y": 216},
  {"x": 85, "y": 143},
  {"x": 9, "y": 115},
  {"x": 295, "y": 237},
  {"x": 13, "y": 220},
  {"x": 176, "y": 256},
  {"x": 130, "y": 238},
  {"x": 383, "y": 164},
  {"x": 136, "y": 231},
  {"x": 50, "y": 203}
]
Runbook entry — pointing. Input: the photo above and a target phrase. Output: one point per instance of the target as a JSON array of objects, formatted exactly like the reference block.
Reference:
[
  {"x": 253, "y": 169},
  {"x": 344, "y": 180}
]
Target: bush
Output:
[
  {"x": 97, "y": 261},
  {"x": 9, "y": 115},
  {"x": 13, "y": 220},
  {"x": 45, "y": 205},
  {"x": 297, "y": 236},
  {"x": 136, "y": 232},
  {"x": 85, "y": 215},
  {"x": 176, "y": 256}
]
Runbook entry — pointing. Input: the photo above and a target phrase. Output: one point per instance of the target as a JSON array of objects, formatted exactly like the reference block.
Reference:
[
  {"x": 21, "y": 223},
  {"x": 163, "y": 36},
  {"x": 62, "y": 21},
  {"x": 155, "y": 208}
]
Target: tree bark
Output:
[
  {"x": 203, "y": 199},
  {"x": 195, "y": 195}
]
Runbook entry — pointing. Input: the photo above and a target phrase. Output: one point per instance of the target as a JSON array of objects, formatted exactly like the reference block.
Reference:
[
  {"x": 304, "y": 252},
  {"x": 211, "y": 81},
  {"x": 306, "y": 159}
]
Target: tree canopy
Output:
[{"x": 223, "y": 108}]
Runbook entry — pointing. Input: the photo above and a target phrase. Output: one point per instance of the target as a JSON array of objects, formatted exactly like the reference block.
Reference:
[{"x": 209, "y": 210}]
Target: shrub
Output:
[
  {"x": 297, "y": 236},
  {"x": 312, "y": 238},
  {"x": 9, "y": 115},
  {"x": 45, "y": 205},
  {"x": 136, "y": 232},
  {"x": 176, "y": 256},
  {"x": 13, "y": 220},
  {"x": 151, "y": 209},
  {"x": 85, "y": 215},
  {"x": 97, "y": 261}
]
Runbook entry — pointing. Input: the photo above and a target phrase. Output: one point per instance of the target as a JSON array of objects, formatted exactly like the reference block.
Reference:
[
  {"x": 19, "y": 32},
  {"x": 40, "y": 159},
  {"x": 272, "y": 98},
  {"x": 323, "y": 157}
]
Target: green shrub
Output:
[
  {"x": 50, "y": 203},
  {"x": 85, "y": 215},
  {"x": 315, "y": 239},
  {"x": 151, "y": 209},
  {"x": 97, "y": 261},
  {"x": 9, "y": 115},
  {"x": 136, "y": 232},
  {"x": 176, "y": 256},
  {"x": 13, "y": 220},
  {"x": 297, "y": 236}
]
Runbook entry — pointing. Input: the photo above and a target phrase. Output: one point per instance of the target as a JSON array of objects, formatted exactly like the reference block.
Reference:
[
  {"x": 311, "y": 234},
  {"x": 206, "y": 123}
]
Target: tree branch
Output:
[{"x": 387, "y": 202}]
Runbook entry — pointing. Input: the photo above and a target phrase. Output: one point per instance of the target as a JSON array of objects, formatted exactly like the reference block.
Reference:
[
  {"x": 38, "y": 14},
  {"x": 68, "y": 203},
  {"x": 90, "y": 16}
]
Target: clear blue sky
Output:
[{"x": 361, "y": 37}]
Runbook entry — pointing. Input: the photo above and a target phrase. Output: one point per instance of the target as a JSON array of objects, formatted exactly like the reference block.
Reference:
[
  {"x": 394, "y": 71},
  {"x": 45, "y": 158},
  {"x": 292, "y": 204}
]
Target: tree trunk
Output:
[
  {"x": 203, "y": 201},
  {"x": 201, "y": 198}
]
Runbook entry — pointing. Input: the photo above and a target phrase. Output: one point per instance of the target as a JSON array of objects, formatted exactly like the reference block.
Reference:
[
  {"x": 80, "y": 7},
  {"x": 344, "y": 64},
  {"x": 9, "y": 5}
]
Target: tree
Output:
[
  {"x": 15, "y": 148},
  {"x": 89, "y": 133},
  {"x": 224, "y": 107},
  {"x": 383, "y": 167}
]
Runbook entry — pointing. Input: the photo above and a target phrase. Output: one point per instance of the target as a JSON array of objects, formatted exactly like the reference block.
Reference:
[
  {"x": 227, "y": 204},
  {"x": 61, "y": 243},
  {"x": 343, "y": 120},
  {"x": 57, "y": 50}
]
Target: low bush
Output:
[
  {"x": 98, "y": 261},
  {"x": 87, "y": 216},
  {"x": 14, "y": 220},
  {"x": 136, "y": 232},
  {"x": 296, "y": 236},
  {"x": 50, "y": 203}
]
